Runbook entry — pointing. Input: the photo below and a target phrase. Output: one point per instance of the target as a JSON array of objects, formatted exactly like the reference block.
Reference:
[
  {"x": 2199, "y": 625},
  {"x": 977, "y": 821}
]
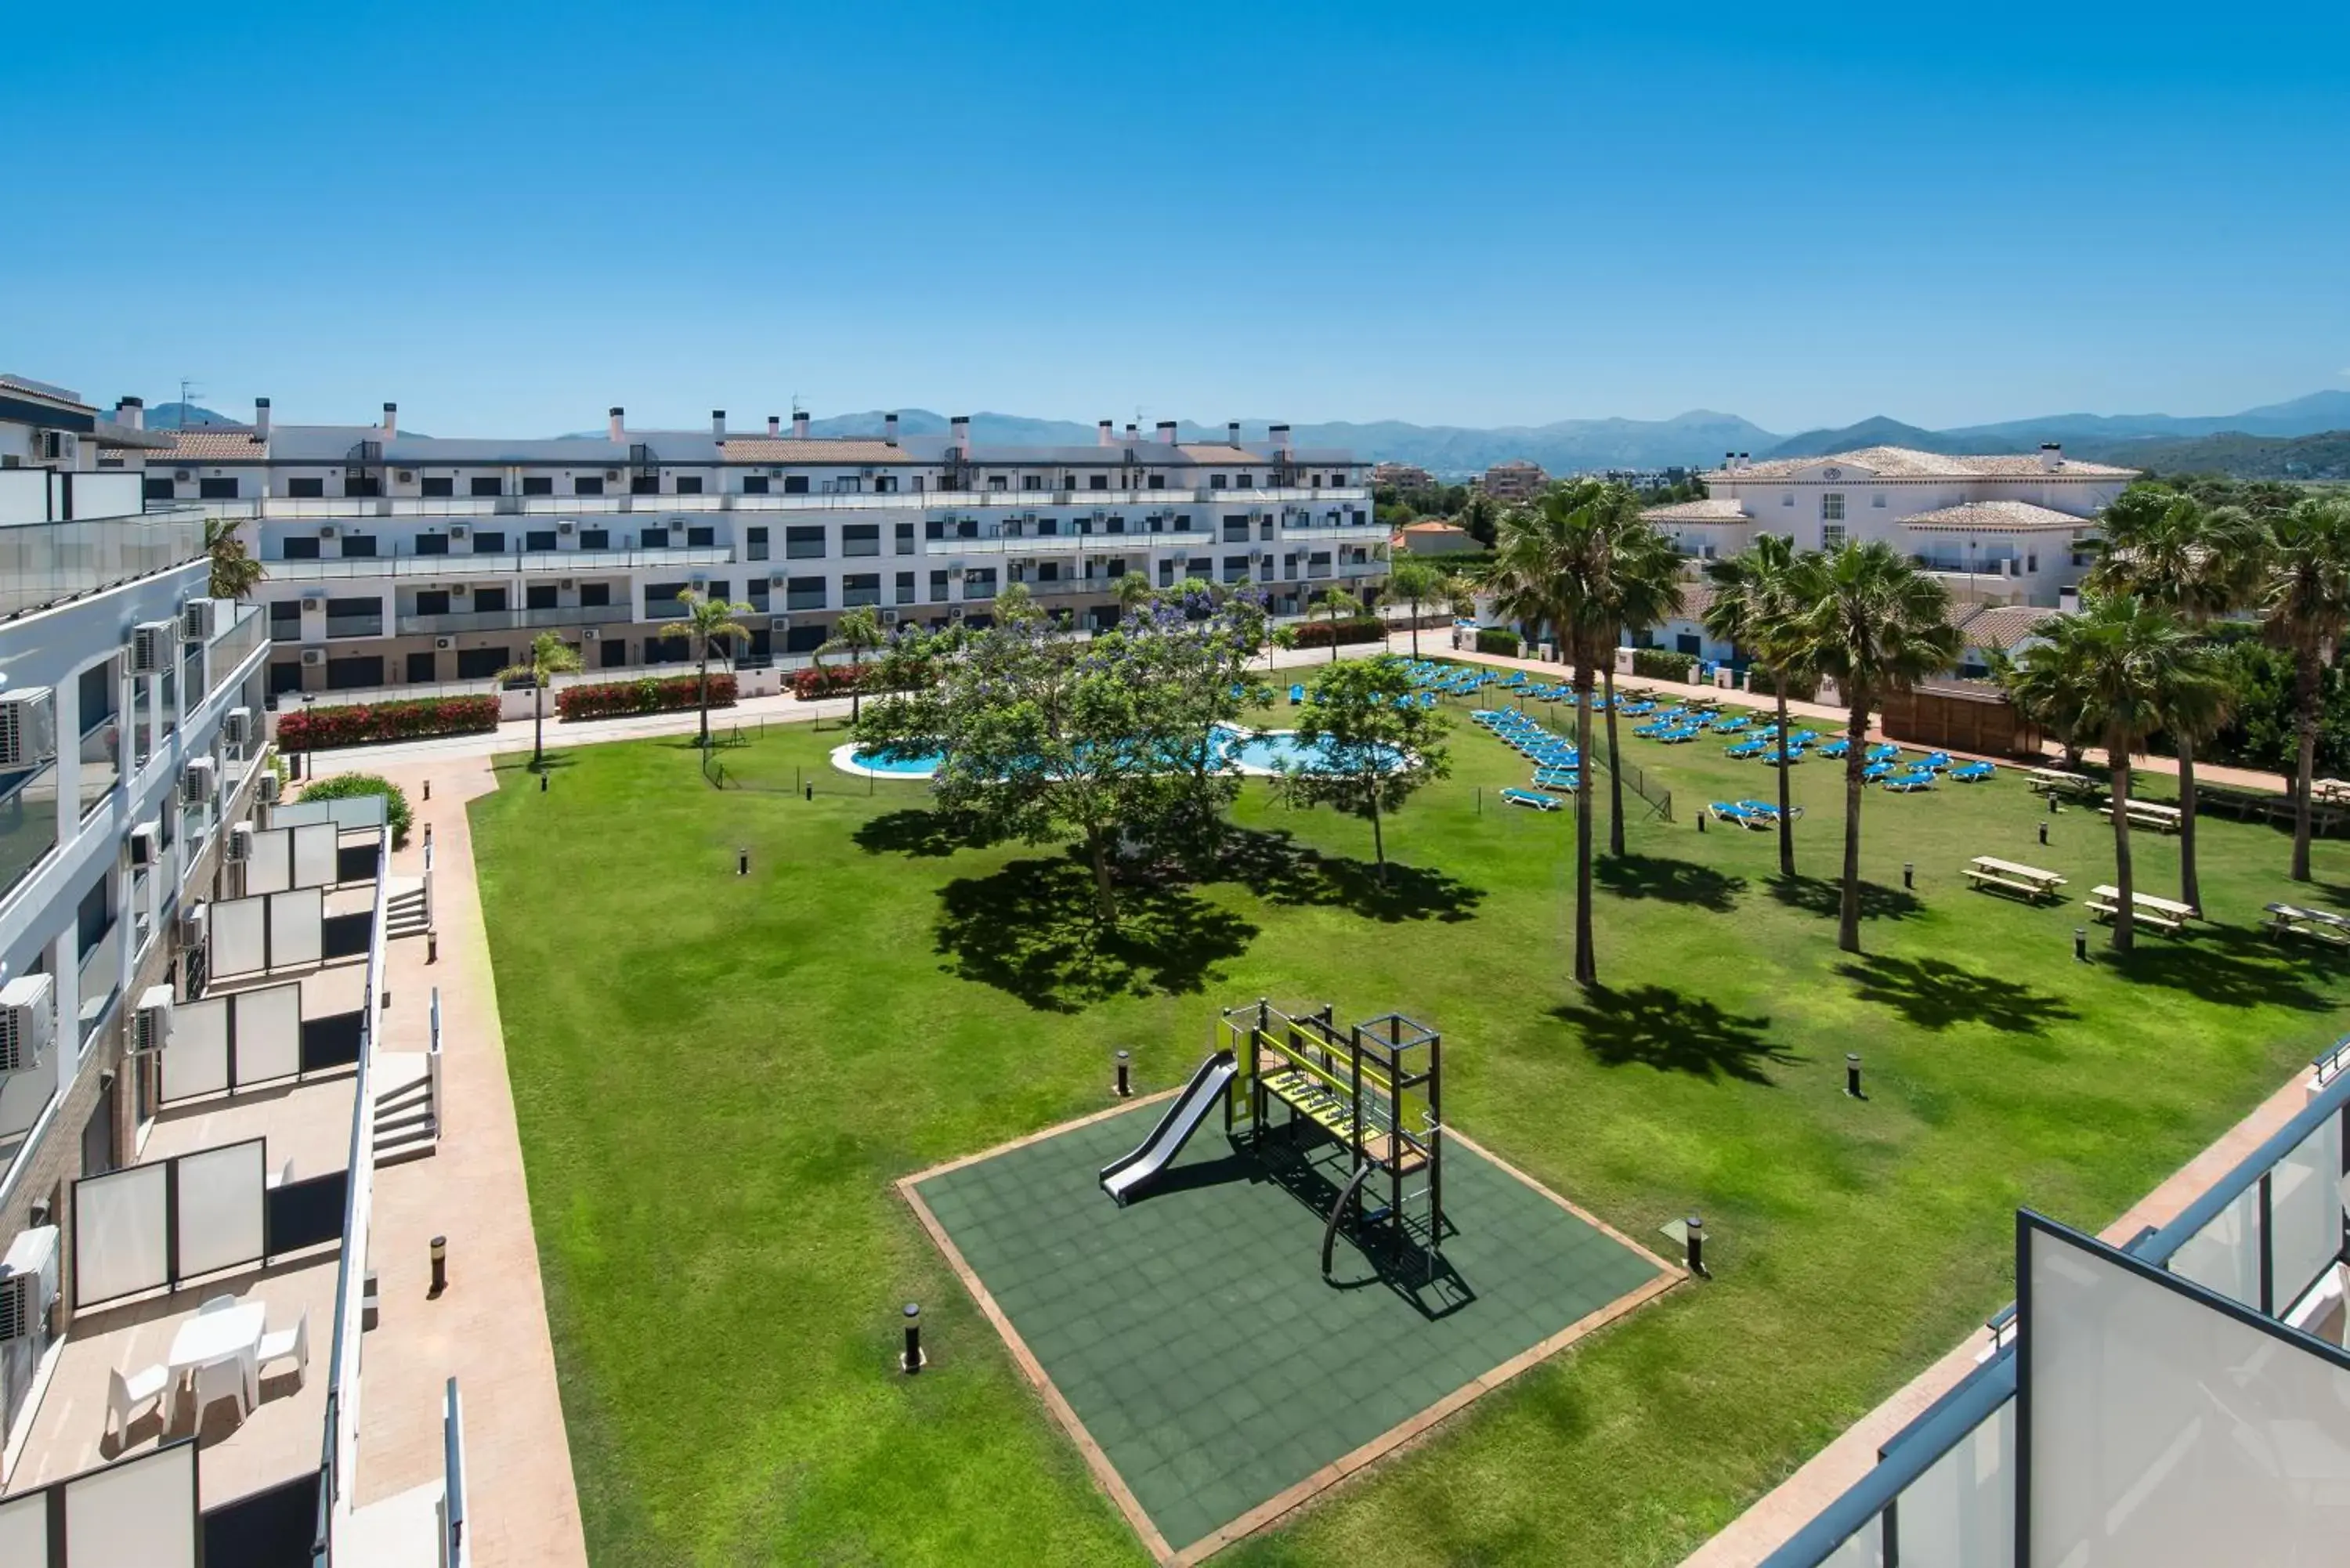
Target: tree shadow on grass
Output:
[
  {"x": 1029, "y": 929},
  {"x": 2226, "y": 964},
  {"x": 915, "y": 831},
  {"x": 1825, "y": 898},
  {"x": 1275, "y": 866},
  {"x": 1934, "y": 994},
  {"x": 1657, "y": 1026},
  {"x": 1668, "y": 880}
]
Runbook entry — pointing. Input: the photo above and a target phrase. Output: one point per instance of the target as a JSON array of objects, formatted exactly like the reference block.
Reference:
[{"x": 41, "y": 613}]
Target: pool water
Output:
[{"x": 1278, "y": 751}]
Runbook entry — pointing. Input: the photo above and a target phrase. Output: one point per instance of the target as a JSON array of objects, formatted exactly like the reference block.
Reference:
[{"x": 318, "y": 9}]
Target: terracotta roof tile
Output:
[
  {"x": 209, "y": 445},
  {"x": 1711, "y": 510},
  {"x": 1997, "y": 517},
  {"x": 763, "y": 449},
  {"x": 1908, "y": 463}
]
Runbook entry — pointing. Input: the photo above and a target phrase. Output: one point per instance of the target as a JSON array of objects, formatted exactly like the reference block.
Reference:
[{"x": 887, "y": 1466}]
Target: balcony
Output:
[
  {"x": 333, "y": 509},
  {"x": 227, "y": 652},
  {"x": 516, "y": 619},
  {"x": 1028, "y": 543},
  {"x": 102, "y": 975},
  {"x": 459, "y": 568},
  {"x": 803, "y": 599},
  {"x": 28, "y": 822},
  {"x": 41, "y": 563},
  {"x": 355, "y": 624},
  {"x": 102, "y": 762}
]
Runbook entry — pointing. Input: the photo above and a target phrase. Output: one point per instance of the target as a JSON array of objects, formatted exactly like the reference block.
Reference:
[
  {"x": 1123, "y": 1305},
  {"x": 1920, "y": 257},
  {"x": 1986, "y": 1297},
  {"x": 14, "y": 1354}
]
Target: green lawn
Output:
[{"x": 719, "y": 1077}]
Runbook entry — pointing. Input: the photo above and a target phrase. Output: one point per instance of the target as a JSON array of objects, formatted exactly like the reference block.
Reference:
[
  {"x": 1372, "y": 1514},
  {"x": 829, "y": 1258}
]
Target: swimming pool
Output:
[{"x": 1274, "y": 752}]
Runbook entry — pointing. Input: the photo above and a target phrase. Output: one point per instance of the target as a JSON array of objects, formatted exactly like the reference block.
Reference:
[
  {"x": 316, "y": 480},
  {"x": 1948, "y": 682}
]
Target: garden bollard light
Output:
[
  {"x": 1851, "y": 1074},
  {"x": 811, "y": 790},
  {"x": 1701, "y": 821},
  {"x": 741, "y": 863},
  {"x": 428, "y": 836},
  {"x": 542, "y": 783},
  {"x": 1908, "y": 874},
  {"x": 440, "y": 1268},
  {"x": 2044, "y": 834},
  {"x": 1125, "y": 1086},
  {"x": 1697, "y": 1247},
  {"x": 428, "y": 795},
  {"x": 432, "y": 946},
  {"x": 911, "y": 1360},
  {"x": 2081, "y": 943}
]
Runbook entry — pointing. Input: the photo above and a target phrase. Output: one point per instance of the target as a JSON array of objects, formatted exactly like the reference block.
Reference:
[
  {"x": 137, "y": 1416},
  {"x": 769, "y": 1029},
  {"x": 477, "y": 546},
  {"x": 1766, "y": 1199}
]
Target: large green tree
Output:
[
  {"x": 550, "y": 656},
  {"x": 1753, "y": 609},
  {"x": 1371, "y": 746},
  {"x": 2198, "y": 563},
  {"x": 1875, "y": 624},
  {"x": 2306, "y": 596}
]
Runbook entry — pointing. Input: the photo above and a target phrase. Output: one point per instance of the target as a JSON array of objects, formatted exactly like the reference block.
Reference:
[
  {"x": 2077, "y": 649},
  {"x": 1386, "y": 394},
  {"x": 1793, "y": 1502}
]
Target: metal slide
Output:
[{"x": 1122, "y": 1175}]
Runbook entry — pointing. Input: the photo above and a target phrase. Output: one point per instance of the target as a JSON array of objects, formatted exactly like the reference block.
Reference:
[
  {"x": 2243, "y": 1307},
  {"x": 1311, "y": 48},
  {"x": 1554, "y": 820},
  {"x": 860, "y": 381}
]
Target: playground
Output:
[{"x": 1250, "y": 1324}]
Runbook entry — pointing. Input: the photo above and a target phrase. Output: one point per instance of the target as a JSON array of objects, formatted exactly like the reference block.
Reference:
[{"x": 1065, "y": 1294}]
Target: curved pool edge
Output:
[{"x": 843, "y": 757}]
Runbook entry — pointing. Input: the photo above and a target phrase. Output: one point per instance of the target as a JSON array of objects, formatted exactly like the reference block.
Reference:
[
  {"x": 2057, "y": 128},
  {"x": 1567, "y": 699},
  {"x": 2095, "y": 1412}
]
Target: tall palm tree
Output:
[
  {"x": 1753, "y": 603},
  {"x": 2305, "y": 593},
  {"x": 856, "y": 630},
  {"x": 1415, "y": 583},
  {"x": 550, "y": 656},
  {"x": 234, "y": 571},
  {"x": 2137, "y": 668},
  {"x": 2196, "y": 562},
  {"x": 1875, "y": 624},
  {"x": 2046, "y": 693},
  {"x": 707, "y": 619},
  {"x": 1133, "y": 592},
  {"x": 1551, "y": 568},
  {"x": 1339, "y": 606},
  {"x": 1645, "y": 586}
]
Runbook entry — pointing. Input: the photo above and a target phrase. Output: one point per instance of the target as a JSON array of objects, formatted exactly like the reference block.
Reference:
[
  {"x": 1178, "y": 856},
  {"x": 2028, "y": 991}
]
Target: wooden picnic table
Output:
[
  {"x": 2318, "y": 925},
  {"x": 2149, "y": 814},
  {"x": 1990, "y": 871},
  {"x": 2331, "y": 790},
  {"x": 2056, "y": 781},
  {"x": 2164, "y": 914}
]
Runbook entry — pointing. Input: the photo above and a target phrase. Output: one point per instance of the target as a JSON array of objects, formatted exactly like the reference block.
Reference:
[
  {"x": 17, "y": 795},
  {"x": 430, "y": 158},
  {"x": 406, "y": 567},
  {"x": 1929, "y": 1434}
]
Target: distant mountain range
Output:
[{"x": 2276, "y": 439}]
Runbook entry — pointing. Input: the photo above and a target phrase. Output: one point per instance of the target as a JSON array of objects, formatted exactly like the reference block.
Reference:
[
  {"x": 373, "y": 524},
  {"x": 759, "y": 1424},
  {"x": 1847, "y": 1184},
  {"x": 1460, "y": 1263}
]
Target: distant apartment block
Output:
[
  {"x": 1517, "y": 480},
  {"x": 1403, "y": 476},
  {"x": 398, "y": 559},
  {"x": 1995, "y": 529},
  {"x": 1433, "y": 536}
]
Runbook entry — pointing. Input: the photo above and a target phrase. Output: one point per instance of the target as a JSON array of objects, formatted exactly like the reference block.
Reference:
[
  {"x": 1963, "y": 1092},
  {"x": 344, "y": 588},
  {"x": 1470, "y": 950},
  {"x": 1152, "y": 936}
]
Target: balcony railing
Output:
[
  {"x": 456, "y": 568},
  {"x": 354, "y": 626},
  {"x": 102, "y": 762},
  {"x": 515, "y": 619},
  {"x": 1065, "y": 544},
  {"x": 331, "y": 510},
  {"x": 41, "y": 563},
  {"x": 236, "y": 642},
  {"x": 28, "y": 822},
  {"x": 803, "y": 599}
]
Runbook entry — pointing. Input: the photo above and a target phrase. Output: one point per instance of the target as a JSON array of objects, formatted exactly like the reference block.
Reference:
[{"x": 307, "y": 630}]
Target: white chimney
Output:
[
  {"x": 1167, "y": 431},
  {"x": 614, "y": 431},
  {"x": 1745, "y": 461},
  {"x": 2052, "y": 456},
  {"x": 390, "y": 420},
  {"x": 1102, "y": 434},
  {"x": 959, "y": 428},
  {"x": 889, "y": 429},
  {"x": 1233, "y": 432},
  {"x": 261, "y": 419},
  {"x": 131, "y": 411},
  {"x": 1730, "y": 462},
  {"x": 1129, "y": 434},
  {"x": 774, "y": 426},
  {"x": 1279, "y": 436},
  {"x": 718, "y": 423},
  {"x": 799, "y": 424}
]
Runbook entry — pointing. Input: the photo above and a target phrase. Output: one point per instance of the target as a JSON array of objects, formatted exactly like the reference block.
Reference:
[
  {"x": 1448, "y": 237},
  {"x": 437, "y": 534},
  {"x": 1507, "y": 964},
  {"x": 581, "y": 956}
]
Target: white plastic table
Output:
[{"x": 209, "y": 1336}]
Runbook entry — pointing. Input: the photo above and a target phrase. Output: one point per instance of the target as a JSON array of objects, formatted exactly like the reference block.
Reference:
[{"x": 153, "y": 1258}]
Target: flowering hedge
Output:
[
  {"x": 1323, "y": 633},
  {"x": 615, "y": 697},
  {"x": 362, "y": 724},
  {"x": 826, "y": 680}
]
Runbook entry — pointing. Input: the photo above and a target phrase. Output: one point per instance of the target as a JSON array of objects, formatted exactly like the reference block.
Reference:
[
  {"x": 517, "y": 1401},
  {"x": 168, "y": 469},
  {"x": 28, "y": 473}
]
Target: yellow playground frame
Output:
[{"x": 1377, "y": 1087}]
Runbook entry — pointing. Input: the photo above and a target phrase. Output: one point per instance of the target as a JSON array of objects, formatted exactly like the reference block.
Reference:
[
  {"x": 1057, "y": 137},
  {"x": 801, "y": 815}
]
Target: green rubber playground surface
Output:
[{"x": 1193, "y": 1333}]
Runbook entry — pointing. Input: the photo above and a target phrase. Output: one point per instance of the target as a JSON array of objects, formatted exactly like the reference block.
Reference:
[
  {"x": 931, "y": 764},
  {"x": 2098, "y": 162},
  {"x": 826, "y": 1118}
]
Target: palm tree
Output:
[
  {"x": 1752, "y": 601},
  {"x": 706, "y": 621},
  {"x": 2197, "y": 563},
  {"x": 234, "y": 570},
  {"x": 1133, "y": 592},
  {"x": 1875, "y": 624},
  {"x": 856, "y": 630},
  {"x": 2137, "y": 668},
  {"x": 1415, "y": 583},
  {"x": 1644, "y": 587},
  {"x": 2045, "y": 692},
  {"x": 2306, "y": 595},
  {"x": 550, "y": 656},
  {"x": 1339, "y": 605},
  {"x": 1552, "y": 567}
]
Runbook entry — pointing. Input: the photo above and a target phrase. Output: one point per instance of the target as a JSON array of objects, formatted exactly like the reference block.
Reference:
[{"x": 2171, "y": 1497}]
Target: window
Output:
[
  {"x": 1236, "y": 569},
  {"x": 755, "y": 590},
  {"x": 688, "y": 484},
  {"x": 1166, "y": 574},
  {"x": 363, "y": 484},
  {"x": 305, "y": 489},
  {"x": 795, "y": 485},
  {"x": 539, "y": 539},
  {"x": 1240, "y": 481},
  {"x": 1831, "y": 508},
  {"x": 653, "y": 538},
  {"x": 538, "y": 596},
  {"x": 1157, "y": 481},
  {"x": 754, "y": 484},
  {"x": 1048, "y": 525},
  {"x": 485, "y": 484},
  {"x": 358, "y": 545},
  {"x": 584, "y": 485},
  {"x": 645, "y": 485},
  {"x": 905, "y": 535},
  {"x": 346, "y": 674},
  {"x": 432, "y": 544},
  {"x": 490, "y": 598},
  {"x": 1788, "y": 499},
  {"x": 538, "y": 484},
  {"x": 1877, "y": 499},
  {"x": 1237, "y": 527},
  {"x": 1831, "y": 535},
  {"x": 938, "y": 588},
  {"x": 2032, "y": 561},
  {"x": 419, "y": 666},
  {"x": 440, "y": 485},
  {"x": 1216, "y": 481},
  {"x": 616, "y": 652},
  {"x": 904, "y": 593},
  {"x": 861, "y": 588},
  {"x": 216, "y": 489},
  {"x": 299, "y": 549},
  {"x": 803, "y": 593},
  {"x": 999, "y": 482},
  {"x": 432, "y": 601},
  {"x": 285, "y": 621},
  {"x": 161, "y": 490},
  {"x": 1032, "y": 481},
  {"x": 489, "y": 542},
  {"x": 979, "y": 583},
  {"x": 593, "y": 596},
  {"x": 885, "y": 485},
  {"x": 701, "y": 537},
  {"x": 594, "y": 538},
  {"x": 1688, "y": 642},
  {"x": 479, "y": 663},
  {"x": 755, "y": 544},
  {"x": 804, "y": 543}
]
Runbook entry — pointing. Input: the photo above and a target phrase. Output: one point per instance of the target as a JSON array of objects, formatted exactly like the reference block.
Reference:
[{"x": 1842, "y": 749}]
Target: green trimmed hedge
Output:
[
  {"x": 1324, "y": 633},
  {"x": 349, "y": 787},
  {"x": 1802, "y": 688},
  {"x": 1663, "y": 664},
  {"x": 615, "y": 699},
  {"x": 1497, "y": 639},
  {"x": 306, "y": 728}
]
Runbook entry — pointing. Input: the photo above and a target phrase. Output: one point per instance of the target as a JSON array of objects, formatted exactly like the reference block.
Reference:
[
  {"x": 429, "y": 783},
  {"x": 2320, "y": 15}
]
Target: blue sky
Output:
[{"x": 506, "y": 217}]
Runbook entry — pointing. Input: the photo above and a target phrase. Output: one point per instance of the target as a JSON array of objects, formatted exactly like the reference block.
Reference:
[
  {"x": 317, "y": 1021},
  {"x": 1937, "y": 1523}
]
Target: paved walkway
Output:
[{"x": 488, "y": 1330}]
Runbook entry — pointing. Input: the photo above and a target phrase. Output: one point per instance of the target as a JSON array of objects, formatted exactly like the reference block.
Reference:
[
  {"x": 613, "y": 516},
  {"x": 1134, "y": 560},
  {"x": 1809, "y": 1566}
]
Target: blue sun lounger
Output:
[
  {"x": 1876, "y": 771},
  {"x": 1882, "y": 752},
  {"x": 1745, "y": 750},
  {"x": 1935, "y": 761},
  {"x": 1676, "y": 737},
  {"x": 1769, "y": 813},
  {"x": 1296, "y": 695},
  {"x": 1530, "y": 797},
  {"x": 1772, "y": 754},
  {"x": 1911, "y": 782},
  {"x": 1733, "y": 726},
  {"x": 1558, "y": 778},
  {"x": 1972, "y": 772},
  {"x": 1838, "y": 747}
]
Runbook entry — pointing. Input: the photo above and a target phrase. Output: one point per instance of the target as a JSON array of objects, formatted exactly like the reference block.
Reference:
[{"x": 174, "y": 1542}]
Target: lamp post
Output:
[{"x": 309, "y": 736}]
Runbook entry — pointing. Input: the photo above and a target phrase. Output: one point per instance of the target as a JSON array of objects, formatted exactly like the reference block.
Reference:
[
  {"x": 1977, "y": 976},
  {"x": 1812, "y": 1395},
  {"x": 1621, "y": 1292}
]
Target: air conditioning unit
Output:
[
  {"x": 29, "y": 1017},
  {"x": 150, "y": 1025},
  {"x": 28, "y": 1283},
  {"x": 591, "y": 634},
  {"x": 182, "y": 475},
  {"x": 566, "y": 585},
  {"x": 198, "y": 780},
  {"x": 406, "y": 476},
  {"x": 154, "y": 646},
  {"x": 326, "y": 530},
  {"x": 313, "y": 657},
  {"x": 199, "y": 620},
  {"x": 28, "y": 727},
  {"x": 611, "y": 476},
  {"x": 146, "y": 843},
  {"x": 888, "y": 618},
  {"x": 195, "y": 925},
  {"x": 444, "y": 643},
  {"x": 456, "y": 529},
  {"x": 775, "y": 581},
  {"x": 313, "y": 605},
  {"x": 461, "y": 587},
  {"x": 268, "y": 789},
  {"x": 565, "y": 527},
  {"x": 238, "y": 848},
  {"x": 236, "y": 727}
]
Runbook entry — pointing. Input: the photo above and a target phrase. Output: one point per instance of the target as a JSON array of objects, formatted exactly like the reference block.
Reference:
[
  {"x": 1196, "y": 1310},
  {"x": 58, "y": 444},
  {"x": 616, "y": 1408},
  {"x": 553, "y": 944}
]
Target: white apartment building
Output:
[
  {"x": 397, "y": 560},
  {"x": 1995, "y": 529}
]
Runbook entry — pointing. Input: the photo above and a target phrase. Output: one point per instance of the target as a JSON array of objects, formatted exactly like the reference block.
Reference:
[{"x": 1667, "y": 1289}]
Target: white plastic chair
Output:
[
  {"x": 218, "y": 1303},
  {"x": 290, "y": 1344},
  {"x": 125, "y": 1394},
  {"x": 230, "y": 1378}
]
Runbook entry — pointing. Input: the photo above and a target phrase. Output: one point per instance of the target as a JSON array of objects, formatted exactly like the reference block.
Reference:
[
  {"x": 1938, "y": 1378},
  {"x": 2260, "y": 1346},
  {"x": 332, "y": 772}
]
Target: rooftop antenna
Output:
[{"x": 187, "y": 389}]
